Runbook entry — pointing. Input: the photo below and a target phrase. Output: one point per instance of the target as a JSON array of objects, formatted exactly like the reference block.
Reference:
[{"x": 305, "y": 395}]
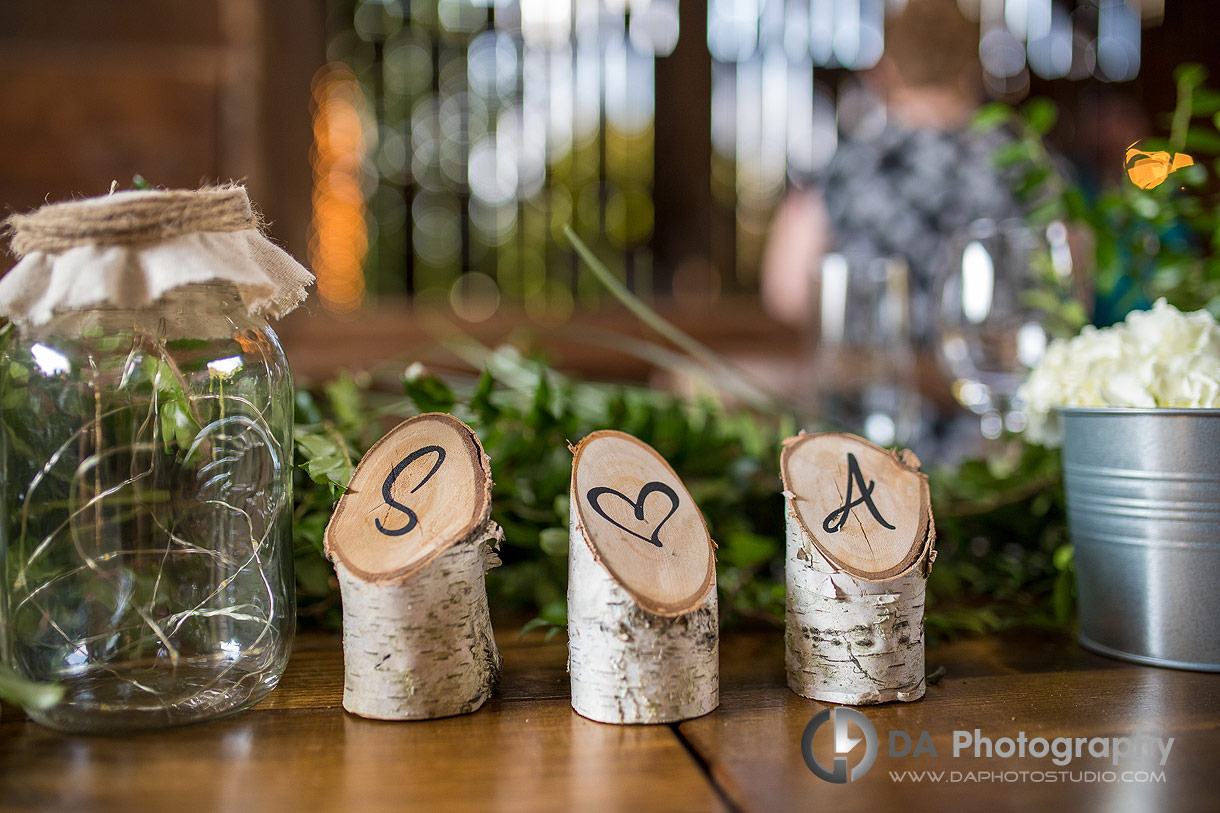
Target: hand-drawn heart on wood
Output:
[
  {"x": 595, "y": 494},
  {"x": 387, "y": 487},
  {"x": 620, "y": 487}
]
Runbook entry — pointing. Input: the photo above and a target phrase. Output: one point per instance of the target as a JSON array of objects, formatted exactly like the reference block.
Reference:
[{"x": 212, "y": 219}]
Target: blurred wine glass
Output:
[
  {"x": 988, "y": 334},
  {"x": 864, "y": 362}
]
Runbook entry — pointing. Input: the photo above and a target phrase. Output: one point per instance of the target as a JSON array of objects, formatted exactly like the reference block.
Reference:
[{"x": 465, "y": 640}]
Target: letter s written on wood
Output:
[
  {"x": 419, "y": 489},
  {"x": 387, "y": 488},
  {"x": 412, "y": 540}
]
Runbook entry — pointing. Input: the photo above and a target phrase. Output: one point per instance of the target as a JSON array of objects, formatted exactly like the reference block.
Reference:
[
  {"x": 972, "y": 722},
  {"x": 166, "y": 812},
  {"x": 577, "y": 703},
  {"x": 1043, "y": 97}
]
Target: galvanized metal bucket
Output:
[{"x": 1143, "y": 495}]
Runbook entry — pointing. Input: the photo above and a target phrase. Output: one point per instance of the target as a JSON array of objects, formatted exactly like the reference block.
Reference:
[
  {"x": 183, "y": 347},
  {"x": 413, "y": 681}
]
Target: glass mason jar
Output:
[{"x": 147, "y": 498}]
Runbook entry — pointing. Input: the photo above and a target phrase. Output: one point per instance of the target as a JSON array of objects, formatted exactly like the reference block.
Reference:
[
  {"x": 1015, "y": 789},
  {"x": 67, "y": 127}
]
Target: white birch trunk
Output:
[
  {"x": 422, "y": 647},
  {"x": 628, "y": 665},
  {"x": 851, "y": 640}
]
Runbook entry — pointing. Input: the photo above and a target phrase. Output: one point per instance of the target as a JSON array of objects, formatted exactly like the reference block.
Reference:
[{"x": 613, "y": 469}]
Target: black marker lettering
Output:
[
  {"x": 594, "y": 495},
  {"x": 836, "y": 519},
  {"x": 388, "y": 486}
]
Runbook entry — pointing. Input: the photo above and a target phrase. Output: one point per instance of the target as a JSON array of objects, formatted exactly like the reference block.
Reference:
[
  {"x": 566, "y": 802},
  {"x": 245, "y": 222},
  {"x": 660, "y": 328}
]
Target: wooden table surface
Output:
[{"x": 526, "y": 749}]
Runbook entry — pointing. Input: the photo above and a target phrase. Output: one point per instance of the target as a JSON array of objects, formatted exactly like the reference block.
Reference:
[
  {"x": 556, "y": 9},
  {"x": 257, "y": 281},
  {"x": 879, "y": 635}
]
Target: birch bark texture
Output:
[
  {"x": 860, "y": 544},
  {"x": 411, "y": 541},
  {"x": 643, "y": 628}
]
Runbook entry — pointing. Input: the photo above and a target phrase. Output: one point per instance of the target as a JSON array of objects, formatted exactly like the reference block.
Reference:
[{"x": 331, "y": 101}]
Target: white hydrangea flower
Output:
[{"x": 1156, "y": 358}]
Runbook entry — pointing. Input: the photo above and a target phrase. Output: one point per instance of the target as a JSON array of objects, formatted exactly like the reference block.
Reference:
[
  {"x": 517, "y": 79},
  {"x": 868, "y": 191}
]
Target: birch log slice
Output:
[
  {"x": 411, "y": 540},
  {"x": 643, "y": 633},
  {"x": 860, "y": 544}
]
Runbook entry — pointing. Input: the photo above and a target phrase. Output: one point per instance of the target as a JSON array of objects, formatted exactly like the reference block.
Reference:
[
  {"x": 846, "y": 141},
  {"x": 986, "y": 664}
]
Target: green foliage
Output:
[
  {"x": 1003, "y": 561},
  {"x": 1147, "y": 243},
  {"x": 26, "y": 693},
  {"x": 326, "y": 458},
  {"x": 333, "y": 427},
  {"x": 1000, "y": 524},
  {"x": 1002, "y": 537},
  {"x": 428, "y": 393}
]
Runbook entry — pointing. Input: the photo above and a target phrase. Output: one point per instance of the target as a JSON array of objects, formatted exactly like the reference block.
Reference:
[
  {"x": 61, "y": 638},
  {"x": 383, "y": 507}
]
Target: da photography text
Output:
[{"x": 856, "y": 745}]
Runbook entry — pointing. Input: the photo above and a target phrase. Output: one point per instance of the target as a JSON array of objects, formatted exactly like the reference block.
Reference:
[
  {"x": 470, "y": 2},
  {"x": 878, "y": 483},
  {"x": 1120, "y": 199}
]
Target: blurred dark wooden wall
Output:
[{"x": 182, "y": 92}]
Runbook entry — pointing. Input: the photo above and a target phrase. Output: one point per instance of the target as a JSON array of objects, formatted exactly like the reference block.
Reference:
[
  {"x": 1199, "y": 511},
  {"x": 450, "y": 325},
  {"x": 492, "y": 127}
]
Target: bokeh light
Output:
[
  {"x": 490, "y": 124},
  {"x": 475, "y": 297},
  {"x": 338, "y": 241}
]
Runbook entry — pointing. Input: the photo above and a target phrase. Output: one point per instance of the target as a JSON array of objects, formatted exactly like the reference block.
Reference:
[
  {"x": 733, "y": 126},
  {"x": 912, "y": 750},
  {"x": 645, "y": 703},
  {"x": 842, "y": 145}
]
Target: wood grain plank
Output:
[
  {"x": 299, "y": 751},
  {"x": 509, "y": 755},
  {"x": 534, "y": 669},
  {"x": 527, "y": 750},
  {"x": 1044, "y": 686}
]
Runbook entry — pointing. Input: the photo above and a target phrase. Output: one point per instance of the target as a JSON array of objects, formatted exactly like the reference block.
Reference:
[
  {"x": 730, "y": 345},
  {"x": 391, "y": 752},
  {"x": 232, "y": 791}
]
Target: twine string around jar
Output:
[{"x": 132, "y": 218}]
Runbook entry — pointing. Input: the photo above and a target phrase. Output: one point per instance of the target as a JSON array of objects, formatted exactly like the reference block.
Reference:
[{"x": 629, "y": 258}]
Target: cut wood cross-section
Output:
[
  {"x": 411, "y": 540},
  {"x": 860, "y": 545},
  {"x": 643, "y": 634}
]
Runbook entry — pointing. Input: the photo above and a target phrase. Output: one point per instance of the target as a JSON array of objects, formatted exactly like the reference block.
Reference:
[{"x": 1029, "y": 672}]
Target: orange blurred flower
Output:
[{"x": 1150, "y": 169}]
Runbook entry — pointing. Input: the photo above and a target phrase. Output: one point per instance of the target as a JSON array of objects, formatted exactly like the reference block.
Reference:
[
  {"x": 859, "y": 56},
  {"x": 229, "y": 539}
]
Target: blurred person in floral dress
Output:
[{"x": 908, "y": 172}]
